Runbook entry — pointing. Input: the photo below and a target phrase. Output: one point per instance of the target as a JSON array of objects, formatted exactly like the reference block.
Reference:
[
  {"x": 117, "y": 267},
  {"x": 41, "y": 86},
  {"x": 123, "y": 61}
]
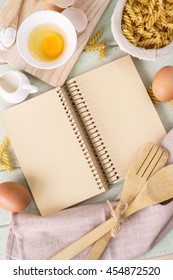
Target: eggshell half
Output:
[
  {"x": 49, "y": 5},
  {"x": 77, "y": 17},
  {"x": 63, "y": 3}
]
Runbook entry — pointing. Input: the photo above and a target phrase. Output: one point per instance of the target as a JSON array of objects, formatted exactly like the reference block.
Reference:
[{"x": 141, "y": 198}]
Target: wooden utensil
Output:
[
  {"x": 9, "y": 24},
  {"x": 78, "y": 246},
  {"x": 10, "y": 17},
  {"x": 148, "y": 161},
  {"x": 158, "y": 189}
]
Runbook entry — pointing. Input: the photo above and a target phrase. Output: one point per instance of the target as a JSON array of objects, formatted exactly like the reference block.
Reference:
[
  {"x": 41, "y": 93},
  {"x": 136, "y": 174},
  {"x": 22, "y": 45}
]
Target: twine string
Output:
[{"x": 117, "y": 214}]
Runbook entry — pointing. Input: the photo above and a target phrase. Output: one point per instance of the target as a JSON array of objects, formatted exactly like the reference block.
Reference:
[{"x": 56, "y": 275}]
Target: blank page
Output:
[
  {"x": 49, "y": 153},
  {"x": 122, "y": 110}
]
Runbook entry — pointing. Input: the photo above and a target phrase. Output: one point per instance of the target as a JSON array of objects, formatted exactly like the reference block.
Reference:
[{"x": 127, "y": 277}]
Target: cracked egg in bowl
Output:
[{"x": 46, "y": 39}]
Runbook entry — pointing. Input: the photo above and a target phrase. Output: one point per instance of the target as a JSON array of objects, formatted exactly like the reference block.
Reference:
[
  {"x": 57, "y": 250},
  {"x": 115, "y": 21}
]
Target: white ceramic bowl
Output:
[
  {"x": 126, "y": 46},
  {"x": 46, "y": 17}
]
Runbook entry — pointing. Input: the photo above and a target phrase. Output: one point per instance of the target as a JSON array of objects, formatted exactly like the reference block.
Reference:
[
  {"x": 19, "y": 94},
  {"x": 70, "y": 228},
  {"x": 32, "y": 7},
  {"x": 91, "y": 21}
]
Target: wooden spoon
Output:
[
  {"x": 9, "y": 23},
  {"x": 159, "y": 188},
  {"x": 11, "y": 18}
]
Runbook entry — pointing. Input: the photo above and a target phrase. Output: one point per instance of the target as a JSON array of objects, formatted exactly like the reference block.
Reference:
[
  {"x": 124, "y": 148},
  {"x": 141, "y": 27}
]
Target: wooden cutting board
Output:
[{"x": 55, "y": 77}]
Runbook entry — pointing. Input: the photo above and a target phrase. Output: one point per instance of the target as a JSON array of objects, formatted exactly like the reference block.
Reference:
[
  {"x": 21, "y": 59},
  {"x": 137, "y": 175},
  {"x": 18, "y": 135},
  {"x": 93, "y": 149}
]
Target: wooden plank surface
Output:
[{"x": 56, "y": 77}]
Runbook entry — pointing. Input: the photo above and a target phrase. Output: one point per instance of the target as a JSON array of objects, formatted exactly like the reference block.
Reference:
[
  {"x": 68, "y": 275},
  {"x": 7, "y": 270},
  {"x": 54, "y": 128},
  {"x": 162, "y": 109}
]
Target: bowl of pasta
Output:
[{"x": 144, "y": 28}]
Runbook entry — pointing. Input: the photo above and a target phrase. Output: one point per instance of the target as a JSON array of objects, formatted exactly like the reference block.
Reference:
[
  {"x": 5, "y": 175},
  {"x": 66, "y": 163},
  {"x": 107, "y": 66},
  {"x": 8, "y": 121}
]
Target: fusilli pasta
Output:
[
  {"x": 5, "y": 163},
  {"x": 153, "y": 98},
  {"x": 94, "y": 45},
  {"x": 4, "y": 145},
  {"x": 95, "y": 37},
  {"x": 148, "y": 23}
]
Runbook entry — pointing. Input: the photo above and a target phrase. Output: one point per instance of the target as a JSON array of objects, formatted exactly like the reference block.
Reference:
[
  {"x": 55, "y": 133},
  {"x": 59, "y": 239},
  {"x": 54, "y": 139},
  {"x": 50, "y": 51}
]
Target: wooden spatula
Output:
[
  {"x": 104, "y": 228},
  {"x": 158, "y": 189},
  {"x": 148, "y": 161}
]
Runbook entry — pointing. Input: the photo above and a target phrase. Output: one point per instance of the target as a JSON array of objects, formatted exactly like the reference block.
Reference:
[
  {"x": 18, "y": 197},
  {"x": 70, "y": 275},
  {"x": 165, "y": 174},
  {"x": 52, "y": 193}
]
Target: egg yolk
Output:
[{"x": 52, "y": 45}]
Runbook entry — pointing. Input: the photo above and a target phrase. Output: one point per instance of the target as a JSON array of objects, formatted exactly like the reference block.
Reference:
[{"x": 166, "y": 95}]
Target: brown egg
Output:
[
  {"x": 14, "y": 197},
  {"x": 163, "y": 84},
  {"x": 49, "y": 5}
]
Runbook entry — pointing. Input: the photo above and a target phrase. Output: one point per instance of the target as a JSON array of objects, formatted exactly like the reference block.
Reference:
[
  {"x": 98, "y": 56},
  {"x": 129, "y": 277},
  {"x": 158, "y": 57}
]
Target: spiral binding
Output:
[{"x": 75, "y": 96}]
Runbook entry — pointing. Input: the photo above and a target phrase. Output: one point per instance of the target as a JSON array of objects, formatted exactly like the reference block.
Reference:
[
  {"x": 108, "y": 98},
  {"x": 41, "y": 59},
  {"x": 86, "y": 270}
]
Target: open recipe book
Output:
[{"x": 73, "y": 142}]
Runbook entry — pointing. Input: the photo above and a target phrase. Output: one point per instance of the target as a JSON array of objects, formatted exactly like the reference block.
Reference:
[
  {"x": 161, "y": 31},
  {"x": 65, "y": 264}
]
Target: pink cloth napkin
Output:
[{"x": 39, "y": 237}]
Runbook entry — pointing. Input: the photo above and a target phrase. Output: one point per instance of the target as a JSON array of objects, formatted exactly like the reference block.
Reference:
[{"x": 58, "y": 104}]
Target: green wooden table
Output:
[{"x": 88, "y": 61}]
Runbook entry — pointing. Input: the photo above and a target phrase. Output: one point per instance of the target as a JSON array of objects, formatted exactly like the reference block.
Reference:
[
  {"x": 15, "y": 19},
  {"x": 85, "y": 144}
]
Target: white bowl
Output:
[
  {"x": 46, "y": 17},
  {"x": 126, "y": 46}
]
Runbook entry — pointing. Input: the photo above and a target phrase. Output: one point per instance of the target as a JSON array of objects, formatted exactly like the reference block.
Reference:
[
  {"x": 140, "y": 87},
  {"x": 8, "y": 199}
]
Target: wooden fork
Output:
[{"x": 149, "y": 160}]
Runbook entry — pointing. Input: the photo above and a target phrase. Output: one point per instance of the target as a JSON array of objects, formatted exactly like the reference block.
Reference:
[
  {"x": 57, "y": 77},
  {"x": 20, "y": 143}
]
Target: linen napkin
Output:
[{"x": 39, "y": 237}]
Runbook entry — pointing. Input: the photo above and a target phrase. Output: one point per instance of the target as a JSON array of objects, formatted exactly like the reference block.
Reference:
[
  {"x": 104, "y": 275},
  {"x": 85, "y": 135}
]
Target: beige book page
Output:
[
  {"x": 49, "y": 153},
  {"x": 122, "y": 110}
]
